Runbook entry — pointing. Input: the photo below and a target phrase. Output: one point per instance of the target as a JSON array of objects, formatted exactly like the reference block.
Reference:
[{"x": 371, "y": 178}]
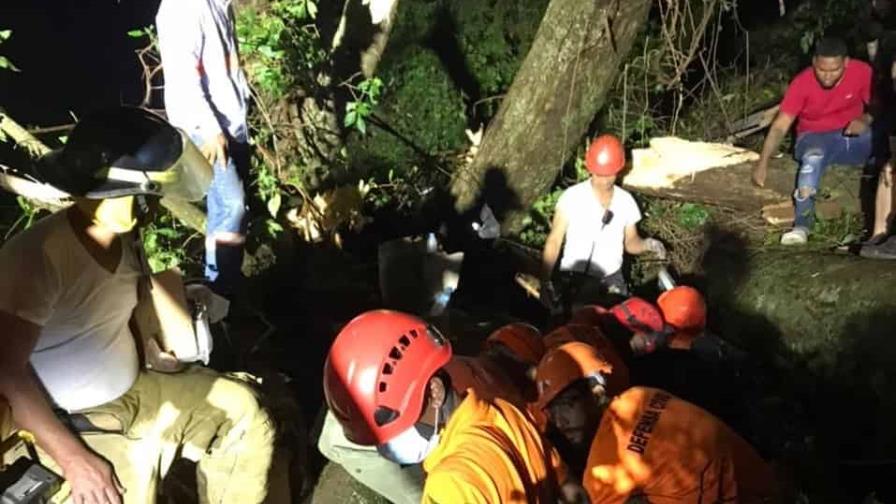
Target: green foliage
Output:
[
  {"x": 842, "y": 230},
  {"x": 5, "y": 63},
  {"x": 422, "y": 100},
  {"x": 692, "y": 215},
  {"x": 28, "y": 212},
  {"x": 826, "y": 17},
  {"x": 148, "y": 32},
  {"x": 282, "y": 45},
  {"x": 494, "y": 37},
  {"x": 166, "y": 241},
  {"x": 425, "y": 110},
  {"x": 366, "y": 97},
  {"x": 283, "y": 52},
  {"x": 269, "y": 189},
  {"x": 537, "y": 224}
]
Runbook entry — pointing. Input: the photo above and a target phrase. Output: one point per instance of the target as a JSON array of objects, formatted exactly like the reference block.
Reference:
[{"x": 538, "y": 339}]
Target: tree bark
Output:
[
  {"x": 731, "y": 187},
  {"x": 573, "y": 63}
]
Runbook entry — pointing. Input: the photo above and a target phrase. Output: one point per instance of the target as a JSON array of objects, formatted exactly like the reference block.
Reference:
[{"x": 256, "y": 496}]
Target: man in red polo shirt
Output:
[{"x": 830, "y": 101}]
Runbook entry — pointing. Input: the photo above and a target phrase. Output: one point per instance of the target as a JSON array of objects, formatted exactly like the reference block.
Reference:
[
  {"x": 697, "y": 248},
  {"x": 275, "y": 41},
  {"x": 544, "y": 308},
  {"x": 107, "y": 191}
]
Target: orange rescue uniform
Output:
[
  {"x": 654, "y": 444},
  {"x": 490, "y": 452}
]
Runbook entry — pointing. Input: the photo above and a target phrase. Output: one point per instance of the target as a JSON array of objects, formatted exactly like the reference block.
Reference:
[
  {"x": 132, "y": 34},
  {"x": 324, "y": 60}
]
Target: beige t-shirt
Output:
[
  {"x": 85, "y": 355},
  {"x": 588, "y": 240}
]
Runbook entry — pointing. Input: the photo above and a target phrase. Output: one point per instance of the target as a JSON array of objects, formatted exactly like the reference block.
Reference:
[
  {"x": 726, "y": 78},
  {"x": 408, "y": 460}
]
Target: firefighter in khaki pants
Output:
[{"x": 69, "y": 288}]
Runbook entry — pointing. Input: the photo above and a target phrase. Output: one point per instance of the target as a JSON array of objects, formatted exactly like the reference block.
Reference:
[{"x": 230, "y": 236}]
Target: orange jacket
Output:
[
  {"x": 652, "y": 443},
  {"x": 489, "y": 452}
]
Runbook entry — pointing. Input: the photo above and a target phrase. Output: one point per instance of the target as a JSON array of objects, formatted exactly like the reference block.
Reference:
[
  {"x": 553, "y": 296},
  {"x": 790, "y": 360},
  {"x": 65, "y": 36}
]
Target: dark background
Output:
[{"x": 74, "y": 56}]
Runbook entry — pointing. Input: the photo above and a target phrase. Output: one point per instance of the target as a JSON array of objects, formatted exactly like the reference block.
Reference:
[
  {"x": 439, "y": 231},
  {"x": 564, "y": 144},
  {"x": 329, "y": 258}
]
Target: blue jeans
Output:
[
  {"x": 226, "y": 204},
  {"x": 815, "y": 152}
]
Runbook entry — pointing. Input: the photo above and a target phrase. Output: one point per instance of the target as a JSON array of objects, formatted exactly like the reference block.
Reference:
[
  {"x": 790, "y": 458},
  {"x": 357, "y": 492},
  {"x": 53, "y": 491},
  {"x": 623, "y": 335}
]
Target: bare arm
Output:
[
  {"x": 776, "y": 133},
  {"x": 553, "y": 243},
  {"x": 634, "y": 244},
  {"x": 89, "y": 476}
]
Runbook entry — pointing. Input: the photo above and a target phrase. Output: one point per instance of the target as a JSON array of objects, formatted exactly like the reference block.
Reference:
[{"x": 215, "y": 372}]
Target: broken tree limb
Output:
[
  {"x": 46, "y": 196},
  {"x": 21, "y": 136},
  {"x": 52, "y": 199}
]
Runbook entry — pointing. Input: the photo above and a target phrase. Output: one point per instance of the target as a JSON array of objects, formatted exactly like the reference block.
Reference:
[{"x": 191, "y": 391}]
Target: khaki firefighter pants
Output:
[
  {"x": 212, "y": 419},
  {"x": 401, "y": 485}
]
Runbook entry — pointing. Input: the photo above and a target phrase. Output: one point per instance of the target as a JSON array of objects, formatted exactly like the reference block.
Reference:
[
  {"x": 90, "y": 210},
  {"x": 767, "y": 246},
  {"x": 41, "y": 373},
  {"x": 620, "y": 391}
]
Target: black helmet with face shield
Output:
[{"x": 126, "y": 151}]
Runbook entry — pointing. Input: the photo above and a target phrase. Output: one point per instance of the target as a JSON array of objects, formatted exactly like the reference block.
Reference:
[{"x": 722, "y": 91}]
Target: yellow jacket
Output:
[{"x": 490, "y": 452}]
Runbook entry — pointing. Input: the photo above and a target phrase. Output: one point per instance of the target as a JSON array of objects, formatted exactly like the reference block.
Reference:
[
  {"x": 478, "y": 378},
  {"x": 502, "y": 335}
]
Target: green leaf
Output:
[
  {"x": 133, "y": 33},
  {"x": 350, "y": 118},
  {"x": 312, "y": 9},
  {"x": 167, "y": 232},
  {"x": 361, "y": 125},
  {"x": 5, "y": 34},
  {"x": 273, "y": 227},
  {"x": 274, "y": 204},
  {"x": 7, "y": 65}
]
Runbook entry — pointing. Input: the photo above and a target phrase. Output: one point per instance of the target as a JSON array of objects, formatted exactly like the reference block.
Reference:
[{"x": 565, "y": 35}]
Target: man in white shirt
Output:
[
  {"x": 70, "y": 286},
  {"x": 207, "y": 95},
  {"x": 595, "y": 221}
]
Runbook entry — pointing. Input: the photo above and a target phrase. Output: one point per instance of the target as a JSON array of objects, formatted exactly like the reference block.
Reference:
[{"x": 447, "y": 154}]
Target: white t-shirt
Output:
[
  {"x": 587, "y": 238},
  {"x": 85, "y": 355}
]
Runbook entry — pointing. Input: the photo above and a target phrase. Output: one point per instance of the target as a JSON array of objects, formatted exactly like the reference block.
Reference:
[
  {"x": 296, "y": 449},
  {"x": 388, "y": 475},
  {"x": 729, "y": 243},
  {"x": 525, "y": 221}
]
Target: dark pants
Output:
[{"x": 579, "y": 289}]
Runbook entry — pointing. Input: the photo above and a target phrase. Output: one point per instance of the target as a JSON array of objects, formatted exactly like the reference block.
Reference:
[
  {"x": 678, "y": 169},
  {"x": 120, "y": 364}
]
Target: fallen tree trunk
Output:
[
  {"x": 561, "y": 85},
  {"x": 731, "y": 187}
]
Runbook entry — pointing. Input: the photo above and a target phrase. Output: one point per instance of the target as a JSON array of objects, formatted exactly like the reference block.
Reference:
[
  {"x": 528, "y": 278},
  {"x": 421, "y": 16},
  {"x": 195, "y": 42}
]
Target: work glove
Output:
[{"x": 655, "y": 246}]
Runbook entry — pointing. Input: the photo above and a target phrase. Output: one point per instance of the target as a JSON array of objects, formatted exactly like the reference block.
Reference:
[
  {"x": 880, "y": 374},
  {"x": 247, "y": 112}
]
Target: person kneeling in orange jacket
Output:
[
  {"x": 647, "y": 443},
  {"x": 386, "y": 384}
]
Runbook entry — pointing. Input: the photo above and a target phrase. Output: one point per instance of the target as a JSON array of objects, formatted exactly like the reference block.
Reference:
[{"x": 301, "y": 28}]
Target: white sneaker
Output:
[{"x": 796, "y": 236}]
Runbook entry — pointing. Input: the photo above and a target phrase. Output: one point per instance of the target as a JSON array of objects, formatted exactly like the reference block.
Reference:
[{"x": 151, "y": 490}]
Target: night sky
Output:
[{"x": 74, "y": 55}]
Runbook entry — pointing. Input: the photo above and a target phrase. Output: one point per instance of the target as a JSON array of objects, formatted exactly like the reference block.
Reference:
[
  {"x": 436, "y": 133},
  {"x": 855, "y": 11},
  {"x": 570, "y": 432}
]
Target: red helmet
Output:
[
  {"x": 683, "y": 308},
  {"x": 522, "y": 339},
  {"x": 605, "y": 156},
  {"x": 639, "y": 316},
  {"x": 377, "y": 371}
]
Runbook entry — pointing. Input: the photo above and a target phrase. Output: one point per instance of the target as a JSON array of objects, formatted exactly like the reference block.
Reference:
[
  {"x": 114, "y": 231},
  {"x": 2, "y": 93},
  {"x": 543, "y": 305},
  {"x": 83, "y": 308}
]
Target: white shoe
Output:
[{"x": 796, "y": 236}]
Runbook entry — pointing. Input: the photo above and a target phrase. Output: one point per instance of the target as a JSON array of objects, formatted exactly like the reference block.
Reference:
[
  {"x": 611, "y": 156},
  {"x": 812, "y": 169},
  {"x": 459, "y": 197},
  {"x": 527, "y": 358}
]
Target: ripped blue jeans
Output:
[
  {"x": 815, "y": 152},
  {"x": 226, "y": 204}
]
